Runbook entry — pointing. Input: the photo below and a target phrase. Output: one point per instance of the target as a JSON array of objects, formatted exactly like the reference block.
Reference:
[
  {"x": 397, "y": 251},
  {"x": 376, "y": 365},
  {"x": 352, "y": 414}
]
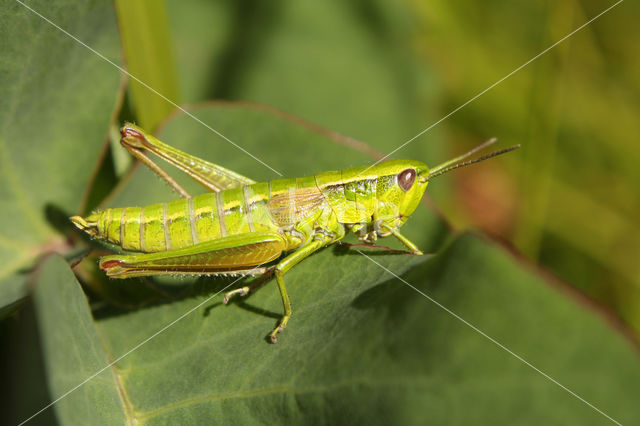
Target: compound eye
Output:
[{"x": 406, "y": 179}]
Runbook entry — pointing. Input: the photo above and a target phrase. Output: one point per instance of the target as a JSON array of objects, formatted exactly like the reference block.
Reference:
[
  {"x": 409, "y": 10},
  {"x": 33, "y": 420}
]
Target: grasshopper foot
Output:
[
  {"x": 273, "y": 336},
  {"x": 242, "y": 291}
]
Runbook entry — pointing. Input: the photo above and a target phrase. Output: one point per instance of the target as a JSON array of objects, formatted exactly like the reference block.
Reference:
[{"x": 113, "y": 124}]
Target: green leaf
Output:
[
  {"x": 361, "y": 346},
  {"x": 73, "y": 351},
  {"x": 364, "y": 347},
  {"x": 56, "y": 100}
]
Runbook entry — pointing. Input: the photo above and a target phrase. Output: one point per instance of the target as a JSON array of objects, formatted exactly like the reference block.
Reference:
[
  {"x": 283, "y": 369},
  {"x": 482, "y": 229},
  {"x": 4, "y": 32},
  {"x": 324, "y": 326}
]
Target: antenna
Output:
[{"x": 457, "y": 162}]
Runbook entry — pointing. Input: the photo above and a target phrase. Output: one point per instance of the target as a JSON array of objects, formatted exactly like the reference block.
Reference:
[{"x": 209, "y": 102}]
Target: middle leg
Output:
[{"x": 281, "y": 268}]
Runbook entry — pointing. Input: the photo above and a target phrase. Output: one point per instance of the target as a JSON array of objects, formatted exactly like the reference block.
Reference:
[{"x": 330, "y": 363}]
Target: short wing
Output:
[{"x": 288, "y": 208}]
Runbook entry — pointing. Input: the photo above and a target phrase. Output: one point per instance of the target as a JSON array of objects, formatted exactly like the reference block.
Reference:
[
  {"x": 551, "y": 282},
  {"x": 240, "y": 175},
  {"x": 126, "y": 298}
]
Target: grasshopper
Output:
[{"x": 240, "y": 226}]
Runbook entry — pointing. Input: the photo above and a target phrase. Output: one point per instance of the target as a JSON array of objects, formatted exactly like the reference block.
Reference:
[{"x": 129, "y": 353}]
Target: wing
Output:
[{"x": 290, "y": 207}]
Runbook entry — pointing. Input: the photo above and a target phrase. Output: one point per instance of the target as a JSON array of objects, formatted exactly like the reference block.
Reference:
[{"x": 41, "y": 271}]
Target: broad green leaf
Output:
[
  {"x": 148, "y": 53},
  {"x": 56, "y": 100},
  {"x": 363, "y": 347},
  {"x": 74, "y": 352}
]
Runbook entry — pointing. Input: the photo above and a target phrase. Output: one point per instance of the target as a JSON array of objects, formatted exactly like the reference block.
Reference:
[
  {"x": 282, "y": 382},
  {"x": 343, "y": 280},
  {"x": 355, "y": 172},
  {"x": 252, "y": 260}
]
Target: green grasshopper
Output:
[{"x": 240, "y": 225}]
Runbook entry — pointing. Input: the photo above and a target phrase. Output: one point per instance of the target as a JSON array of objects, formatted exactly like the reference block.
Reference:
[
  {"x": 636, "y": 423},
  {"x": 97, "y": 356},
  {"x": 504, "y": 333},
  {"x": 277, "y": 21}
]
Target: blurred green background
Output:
[
  {"x": 574, "y": 205},
  {"x": 381, "y": 72}
]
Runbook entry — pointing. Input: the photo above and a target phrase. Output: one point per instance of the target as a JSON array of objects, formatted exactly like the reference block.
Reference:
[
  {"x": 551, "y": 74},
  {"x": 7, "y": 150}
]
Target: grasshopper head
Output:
[
  {"x": 400, "y": 189},
  {"x": 411, "y": 182},
  {"x": 403, "y": 182}
]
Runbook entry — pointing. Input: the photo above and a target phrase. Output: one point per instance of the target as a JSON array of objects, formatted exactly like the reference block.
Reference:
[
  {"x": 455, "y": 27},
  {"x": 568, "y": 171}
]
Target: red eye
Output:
[{"x": 406, "y": 179}]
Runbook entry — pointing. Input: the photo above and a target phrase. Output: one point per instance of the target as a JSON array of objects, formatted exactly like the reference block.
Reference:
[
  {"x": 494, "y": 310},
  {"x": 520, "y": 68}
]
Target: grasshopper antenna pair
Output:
[{"x": 457, "y": 162}]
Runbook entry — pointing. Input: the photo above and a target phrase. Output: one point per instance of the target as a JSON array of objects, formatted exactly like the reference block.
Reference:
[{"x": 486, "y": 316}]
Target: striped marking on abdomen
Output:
[
  {"x": 122, "y": 225},
  {"x": 130, "y": 228},
  {"x": 143, "y": 248},
  {"x": 245, "y": 196},
  {"x": 220, "y": 209},
  {"x": 185, "y": 222},
  {"x": 165, "y": 226},
  {"x": 192, "y": 222},
  {"x": 152, "y": 229},
  {"x": 205, "y": 221}
]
